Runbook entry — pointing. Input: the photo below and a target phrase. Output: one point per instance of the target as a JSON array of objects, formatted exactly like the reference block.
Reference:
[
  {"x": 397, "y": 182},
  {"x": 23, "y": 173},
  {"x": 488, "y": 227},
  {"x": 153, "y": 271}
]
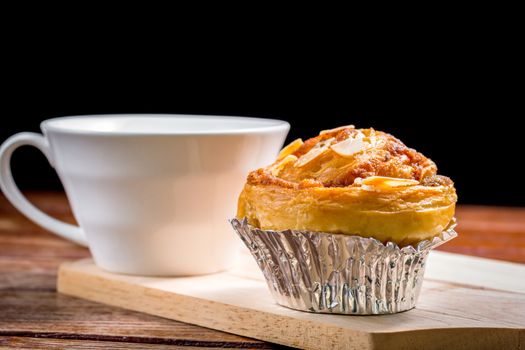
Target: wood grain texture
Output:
[
  {"x": 244, "y": 306},
  {"x": 489, "y": 232},
  {"x": 40, "y": 313},
  {"x": 30, "y": 256},
  {"x": 61, "y": 343}
]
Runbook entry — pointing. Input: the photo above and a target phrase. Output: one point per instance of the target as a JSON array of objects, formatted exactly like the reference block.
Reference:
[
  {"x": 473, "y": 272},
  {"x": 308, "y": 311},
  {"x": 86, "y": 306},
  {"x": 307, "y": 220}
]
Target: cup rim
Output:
[{"x": 260, "y": 125}]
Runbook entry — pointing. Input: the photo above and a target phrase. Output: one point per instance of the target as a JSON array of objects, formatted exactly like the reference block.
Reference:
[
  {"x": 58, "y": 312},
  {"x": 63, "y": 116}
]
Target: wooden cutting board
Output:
[{"x": 465, "y": 303}]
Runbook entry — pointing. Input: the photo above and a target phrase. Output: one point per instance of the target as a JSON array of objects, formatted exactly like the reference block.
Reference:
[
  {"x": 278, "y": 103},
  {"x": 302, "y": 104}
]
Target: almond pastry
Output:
[{"x": 351, "y": 181}]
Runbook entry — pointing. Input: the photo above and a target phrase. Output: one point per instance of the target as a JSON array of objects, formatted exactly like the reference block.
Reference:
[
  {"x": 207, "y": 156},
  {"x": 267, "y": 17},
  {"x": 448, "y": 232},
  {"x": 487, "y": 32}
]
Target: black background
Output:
[
  {"x": 459, "y": 104},
  {"x": 474, "y": 142}
]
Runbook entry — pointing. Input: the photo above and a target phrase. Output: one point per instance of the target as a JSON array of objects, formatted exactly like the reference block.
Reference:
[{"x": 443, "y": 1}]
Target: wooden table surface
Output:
[{"x": 33, "y": 315}]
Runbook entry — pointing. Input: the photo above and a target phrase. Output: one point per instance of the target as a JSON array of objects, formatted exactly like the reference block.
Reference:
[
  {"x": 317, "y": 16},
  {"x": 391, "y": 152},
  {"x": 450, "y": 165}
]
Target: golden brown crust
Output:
[
  {"x": 351, "y": 181},
  {"x": 390, "y": 157}
]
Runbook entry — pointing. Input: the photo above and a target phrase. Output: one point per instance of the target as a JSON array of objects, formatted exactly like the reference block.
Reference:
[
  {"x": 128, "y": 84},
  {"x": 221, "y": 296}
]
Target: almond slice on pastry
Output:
[
  {"x": 276, "y": 169},
  {"x": 315, "y": 152},
  {"x": 351, "y": 146},
  {"x": 290, "y": 148},
  {"x": 386, "y": 183}
]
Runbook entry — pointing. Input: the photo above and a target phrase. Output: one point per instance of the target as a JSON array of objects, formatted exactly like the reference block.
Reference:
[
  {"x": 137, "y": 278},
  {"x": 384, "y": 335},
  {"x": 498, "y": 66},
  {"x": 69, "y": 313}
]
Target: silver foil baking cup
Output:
[{"x": 336, "y": 273}]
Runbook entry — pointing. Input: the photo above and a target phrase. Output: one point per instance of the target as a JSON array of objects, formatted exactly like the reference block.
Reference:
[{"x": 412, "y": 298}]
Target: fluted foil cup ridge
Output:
[{"x": 336, "y": 273}]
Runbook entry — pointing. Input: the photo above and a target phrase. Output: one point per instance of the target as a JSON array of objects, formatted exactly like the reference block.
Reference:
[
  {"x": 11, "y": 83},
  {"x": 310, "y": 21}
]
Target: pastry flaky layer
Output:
[{"x": 351, "y": 181}]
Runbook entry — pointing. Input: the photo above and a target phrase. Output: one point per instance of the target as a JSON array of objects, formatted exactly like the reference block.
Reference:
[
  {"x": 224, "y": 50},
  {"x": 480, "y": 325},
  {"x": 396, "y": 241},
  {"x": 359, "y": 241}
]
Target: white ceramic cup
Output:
[{"x": 152, "y": 193}]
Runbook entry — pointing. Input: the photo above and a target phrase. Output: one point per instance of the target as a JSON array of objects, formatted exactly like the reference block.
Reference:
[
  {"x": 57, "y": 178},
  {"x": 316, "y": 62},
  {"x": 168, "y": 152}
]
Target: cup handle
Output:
[{"x": 13, "y": 194}]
